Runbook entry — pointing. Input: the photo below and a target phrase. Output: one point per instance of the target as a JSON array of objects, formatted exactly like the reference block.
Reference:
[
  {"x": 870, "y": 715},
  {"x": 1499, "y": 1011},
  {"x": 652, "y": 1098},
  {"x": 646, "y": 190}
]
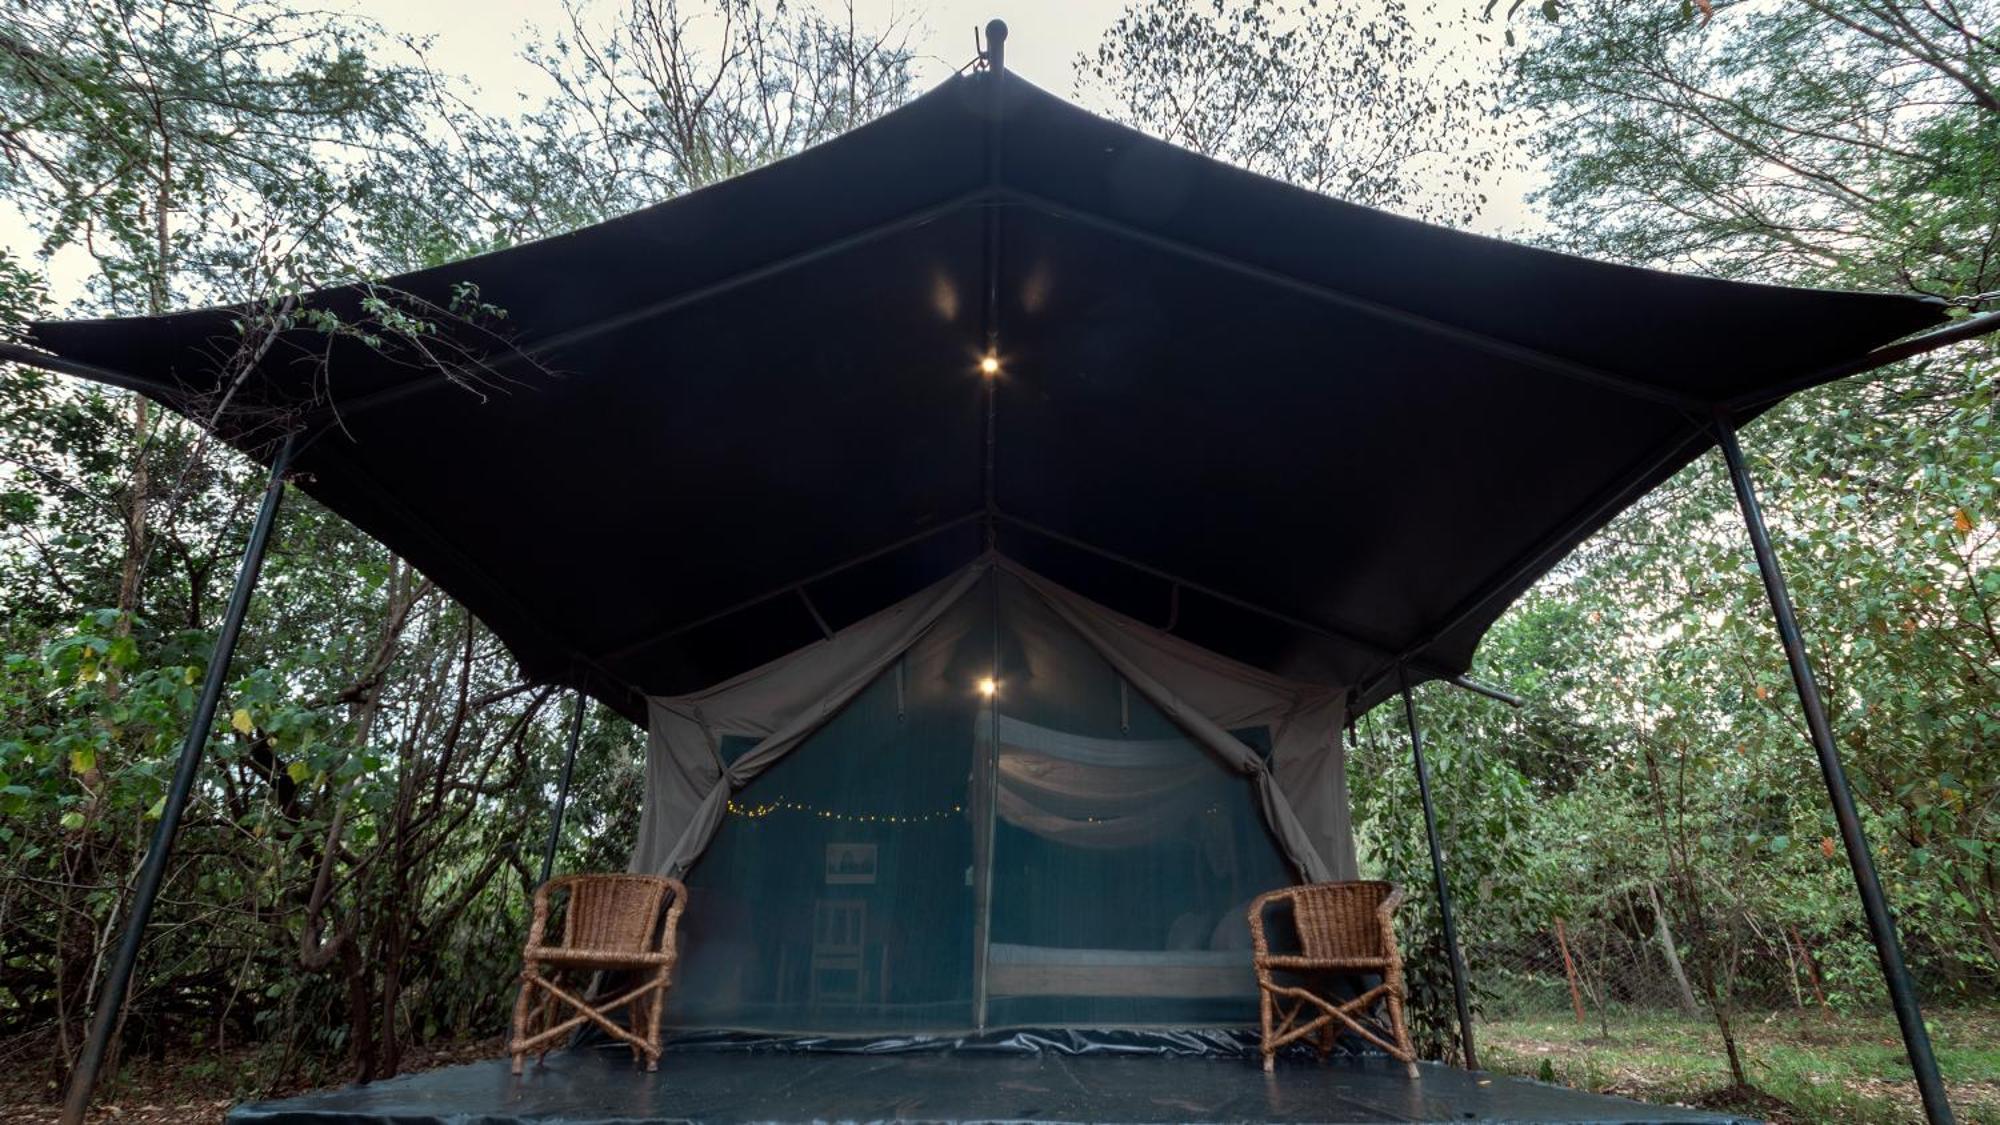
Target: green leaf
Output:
[{"x": 82, "y": 761}]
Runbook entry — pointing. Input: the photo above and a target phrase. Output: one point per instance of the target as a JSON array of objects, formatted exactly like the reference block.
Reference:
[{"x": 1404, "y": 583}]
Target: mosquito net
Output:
[{"x": 995, "y": 805}]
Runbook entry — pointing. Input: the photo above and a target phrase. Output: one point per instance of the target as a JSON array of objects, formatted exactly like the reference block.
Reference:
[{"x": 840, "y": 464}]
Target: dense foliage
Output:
[
  {"x": 1662, "y": 751},
  {"x": 352, "y": 877}
]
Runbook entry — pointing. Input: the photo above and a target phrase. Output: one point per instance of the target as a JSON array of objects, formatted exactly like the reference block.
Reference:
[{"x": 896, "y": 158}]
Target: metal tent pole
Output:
[
  {"x": 1437, "y": 873},
  {"x": 152, "y": 872},
  {"x": 562, "y": 790},
  {"x": 1881, "y": 925}
]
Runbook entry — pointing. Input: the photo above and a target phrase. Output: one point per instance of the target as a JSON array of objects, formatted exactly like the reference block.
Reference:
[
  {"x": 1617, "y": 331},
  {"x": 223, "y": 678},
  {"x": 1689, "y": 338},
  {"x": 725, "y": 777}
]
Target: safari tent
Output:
[{"x": 994, "y": 516}]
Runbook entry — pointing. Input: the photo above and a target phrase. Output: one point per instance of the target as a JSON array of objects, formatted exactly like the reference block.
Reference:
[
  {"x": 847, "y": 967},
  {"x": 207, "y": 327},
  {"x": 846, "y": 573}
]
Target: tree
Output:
[
  {"x": 379, "y": 761},
  {"x": 1365, "y": 102},
  {"x": 1848, "y": 142},
  {"x": 194, "y": 152},
  {"x": 661, "y": 99}
]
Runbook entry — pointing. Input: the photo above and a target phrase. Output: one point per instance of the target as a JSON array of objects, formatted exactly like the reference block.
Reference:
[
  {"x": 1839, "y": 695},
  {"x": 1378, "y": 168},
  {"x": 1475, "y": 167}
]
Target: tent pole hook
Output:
[
  {"x": 1881, "y": 924},
  {"x": 1458, "y": 992},
  {"x": 111, "y": 1000}
]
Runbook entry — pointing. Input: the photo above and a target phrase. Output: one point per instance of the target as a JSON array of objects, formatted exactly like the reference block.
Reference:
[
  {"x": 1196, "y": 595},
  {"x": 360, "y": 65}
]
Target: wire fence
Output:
[{"x": 1598, "y": 969}]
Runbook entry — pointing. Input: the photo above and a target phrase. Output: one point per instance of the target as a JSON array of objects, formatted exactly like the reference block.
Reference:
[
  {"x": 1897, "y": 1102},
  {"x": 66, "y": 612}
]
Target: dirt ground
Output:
[{"x": 191, "y": 1091}]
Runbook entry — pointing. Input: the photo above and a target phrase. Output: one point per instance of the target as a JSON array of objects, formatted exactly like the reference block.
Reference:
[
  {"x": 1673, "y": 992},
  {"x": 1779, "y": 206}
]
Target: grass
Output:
[{"x": 1814, "y": 1066}]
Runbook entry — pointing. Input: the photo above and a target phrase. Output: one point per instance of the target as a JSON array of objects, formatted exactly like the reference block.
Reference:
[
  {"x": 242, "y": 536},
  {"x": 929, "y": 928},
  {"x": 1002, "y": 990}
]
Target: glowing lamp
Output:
[{"x": 988, "y": 686}]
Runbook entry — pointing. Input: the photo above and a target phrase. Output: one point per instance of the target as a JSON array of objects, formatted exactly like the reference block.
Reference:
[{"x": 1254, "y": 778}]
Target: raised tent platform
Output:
[{"x": 601, "y": 1086}]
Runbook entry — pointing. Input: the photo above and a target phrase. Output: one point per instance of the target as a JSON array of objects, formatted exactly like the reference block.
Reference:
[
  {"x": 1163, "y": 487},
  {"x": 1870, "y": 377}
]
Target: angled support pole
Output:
[
  {"x": 562, "y": 788},
  {"x": 111, "y": 1000},
  {"x": 1881, "y": 925},
  {"x": 1458, "y": 992}
]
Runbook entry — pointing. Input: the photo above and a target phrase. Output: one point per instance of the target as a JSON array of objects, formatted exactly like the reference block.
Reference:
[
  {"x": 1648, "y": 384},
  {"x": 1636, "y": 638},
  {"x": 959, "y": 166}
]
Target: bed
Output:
[{"x": 1039, "y": 970}]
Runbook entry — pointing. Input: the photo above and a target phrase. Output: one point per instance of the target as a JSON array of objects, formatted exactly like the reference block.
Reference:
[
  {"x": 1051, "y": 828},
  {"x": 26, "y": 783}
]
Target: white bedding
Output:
[{"x": 1039, "y": 970}]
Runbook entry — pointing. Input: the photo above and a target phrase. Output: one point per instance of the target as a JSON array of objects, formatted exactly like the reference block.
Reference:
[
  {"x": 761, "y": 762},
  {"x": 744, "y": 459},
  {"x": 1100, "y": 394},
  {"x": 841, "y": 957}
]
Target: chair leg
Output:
[
  {"x": 654, "y": 1011},
  {"x": 651, "y": 1030},
  {"x": 521, "y": 1006},
  {"x": 1264, "y": 1009},
  {"x": 544, "y": 1015},
  {"x": 1401, "y": 1031}
]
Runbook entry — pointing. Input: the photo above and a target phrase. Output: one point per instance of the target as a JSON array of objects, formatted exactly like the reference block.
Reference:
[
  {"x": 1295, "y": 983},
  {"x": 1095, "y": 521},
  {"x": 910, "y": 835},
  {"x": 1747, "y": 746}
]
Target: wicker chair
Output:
[
  {"x": 1343, "y": 930},
  {"x": 612, "y": 923}
]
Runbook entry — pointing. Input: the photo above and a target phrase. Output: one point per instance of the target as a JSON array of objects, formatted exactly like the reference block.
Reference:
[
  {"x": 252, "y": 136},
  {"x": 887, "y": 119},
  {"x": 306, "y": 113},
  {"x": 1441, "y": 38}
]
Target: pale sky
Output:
[{"x": 481, "y": 40}]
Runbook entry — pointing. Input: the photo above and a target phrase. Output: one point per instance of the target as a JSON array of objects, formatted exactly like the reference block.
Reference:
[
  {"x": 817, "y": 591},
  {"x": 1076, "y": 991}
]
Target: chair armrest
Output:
[
  {"x": 1259, "y": 943},
  {"x": 1391, "y": 901},
  {"x": 1386, "y": 910},
  {"x": 1386, "y": 915},
  {"x": 670, "y": 933},
  {"x": 539, "y": 921}
]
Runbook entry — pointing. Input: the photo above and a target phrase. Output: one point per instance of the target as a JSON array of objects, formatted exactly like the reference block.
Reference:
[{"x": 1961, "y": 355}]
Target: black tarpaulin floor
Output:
[{"x": 604, "y": 1086}]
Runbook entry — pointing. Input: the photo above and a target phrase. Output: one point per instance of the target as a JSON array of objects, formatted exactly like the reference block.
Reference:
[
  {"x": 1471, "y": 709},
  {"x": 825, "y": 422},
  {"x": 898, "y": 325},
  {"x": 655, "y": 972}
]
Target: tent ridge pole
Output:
[
  {"x": 1458, "y": 991},
  {"x": 1493, "y": 345},
  {"x": 988, "y": 778},
  {"x": 152, "y": 873},
  {"x": 995, "y": 58},
  {"x": 562, "y": 788},
  {"x": 1881, "y": 922}
]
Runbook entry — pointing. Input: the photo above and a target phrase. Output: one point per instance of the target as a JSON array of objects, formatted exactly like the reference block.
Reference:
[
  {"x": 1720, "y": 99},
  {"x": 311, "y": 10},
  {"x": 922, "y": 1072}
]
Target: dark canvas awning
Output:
[{"x": 1312, "y": 436}]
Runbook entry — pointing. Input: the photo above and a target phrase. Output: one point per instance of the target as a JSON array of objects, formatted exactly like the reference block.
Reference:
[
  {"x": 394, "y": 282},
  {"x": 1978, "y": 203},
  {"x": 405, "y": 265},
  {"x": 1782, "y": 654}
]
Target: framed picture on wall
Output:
[{"x": 850, "y": 864}]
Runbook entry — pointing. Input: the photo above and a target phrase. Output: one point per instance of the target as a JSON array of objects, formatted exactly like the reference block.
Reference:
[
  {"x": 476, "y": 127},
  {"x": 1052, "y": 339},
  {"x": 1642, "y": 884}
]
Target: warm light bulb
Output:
[
  {"x": 988, "y": 686},
  {"x": 989, "y": 365}
]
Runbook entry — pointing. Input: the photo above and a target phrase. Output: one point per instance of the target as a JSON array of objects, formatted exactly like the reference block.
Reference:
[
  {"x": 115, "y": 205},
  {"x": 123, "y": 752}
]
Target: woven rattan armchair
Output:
[
  {"x": 1343, "y": 930},
  {"x": 611, "y": 923}
]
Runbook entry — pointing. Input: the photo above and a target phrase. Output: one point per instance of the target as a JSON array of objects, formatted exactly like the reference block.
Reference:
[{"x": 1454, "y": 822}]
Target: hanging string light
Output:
[{"x": 758, "y": 811}]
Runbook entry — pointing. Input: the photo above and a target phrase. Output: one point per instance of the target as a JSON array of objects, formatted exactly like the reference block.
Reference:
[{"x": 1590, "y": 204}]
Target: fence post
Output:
[
  {"x": 1812, "y": 967},
  {"x": 1569, "y": 970}
]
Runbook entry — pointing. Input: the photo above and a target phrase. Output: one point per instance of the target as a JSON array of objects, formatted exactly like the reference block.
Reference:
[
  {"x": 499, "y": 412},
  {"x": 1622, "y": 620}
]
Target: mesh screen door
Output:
[
  {"x": 942, "y": 857},
  {"x": 837, "y": 895}
]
